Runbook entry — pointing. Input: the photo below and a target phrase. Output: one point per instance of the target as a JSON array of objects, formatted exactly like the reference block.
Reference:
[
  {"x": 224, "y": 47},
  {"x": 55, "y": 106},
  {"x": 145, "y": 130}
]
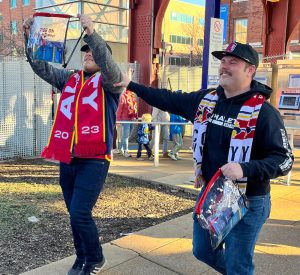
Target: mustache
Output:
[{"x": 225, "y": 72}]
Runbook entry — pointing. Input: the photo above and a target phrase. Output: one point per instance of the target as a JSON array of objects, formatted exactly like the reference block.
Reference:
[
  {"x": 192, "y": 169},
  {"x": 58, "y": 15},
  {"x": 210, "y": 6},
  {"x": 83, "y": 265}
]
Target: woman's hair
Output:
[{"x": 146, "y": 117}]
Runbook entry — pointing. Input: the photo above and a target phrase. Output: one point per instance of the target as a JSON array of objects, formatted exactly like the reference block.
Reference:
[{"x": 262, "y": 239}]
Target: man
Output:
[
  {"x": 220, "y": 116},
  {"x": 81, "y": 138}
]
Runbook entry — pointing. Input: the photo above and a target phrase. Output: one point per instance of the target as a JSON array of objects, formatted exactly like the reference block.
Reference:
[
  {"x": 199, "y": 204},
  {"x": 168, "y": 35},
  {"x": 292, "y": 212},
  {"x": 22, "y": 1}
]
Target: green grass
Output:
[{"x": 19, "y": 201}]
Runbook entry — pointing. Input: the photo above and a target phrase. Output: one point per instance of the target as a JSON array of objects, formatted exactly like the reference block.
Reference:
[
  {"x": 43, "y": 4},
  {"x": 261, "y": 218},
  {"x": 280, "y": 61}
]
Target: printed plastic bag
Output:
[
  {"x": 48, "y": 36},
  {"x": 220, "y": 207}
]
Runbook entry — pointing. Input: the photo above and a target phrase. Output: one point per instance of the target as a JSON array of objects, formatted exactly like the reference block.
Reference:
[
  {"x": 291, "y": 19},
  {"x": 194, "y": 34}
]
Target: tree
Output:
[
  {"x": 196, "y": 32},
  {"x": 11, "y": 40}
]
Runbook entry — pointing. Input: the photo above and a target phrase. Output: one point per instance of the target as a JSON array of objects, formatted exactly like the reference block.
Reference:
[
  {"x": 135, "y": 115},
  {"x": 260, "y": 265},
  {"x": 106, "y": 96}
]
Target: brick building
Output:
[
  {"x": 12, "y": 14},
  {"x": 246, "y": 23}
]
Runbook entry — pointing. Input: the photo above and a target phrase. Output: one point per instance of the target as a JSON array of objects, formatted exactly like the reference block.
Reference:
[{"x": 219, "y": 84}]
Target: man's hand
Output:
[
  {"x": 26, "y": 25},
  {"x": 86, "y": 23},
  {"x": 124, "y": 83},
  {"x": 232, "y": 170}
]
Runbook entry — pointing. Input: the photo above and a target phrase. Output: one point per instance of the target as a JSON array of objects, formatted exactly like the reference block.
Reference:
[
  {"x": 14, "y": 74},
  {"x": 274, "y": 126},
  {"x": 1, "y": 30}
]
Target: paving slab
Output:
[
  {"x": 56, "y": 268},
  {"x": 115, "y": 256},
  {"x": 275, "y": 240},
  {"x": 285, "y": 210},
  {"x": 266, "y": 264},
  {"x": 178, "y": 256},
  {"x": 139, "y": 266},
  {"x": 280, "y": 190}
]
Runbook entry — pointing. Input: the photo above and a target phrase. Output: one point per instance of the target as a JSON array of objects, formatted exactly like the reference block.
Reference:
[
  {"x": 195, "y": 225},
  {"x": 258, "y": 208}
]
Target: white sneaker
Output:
[
  {"x": 126, "y": 155},
  {"x": 115, "y": 151},
  {"x": 177, "y": 156},
  {"x": 172, "y": 156},
  {"x": 139, "y": 159}
]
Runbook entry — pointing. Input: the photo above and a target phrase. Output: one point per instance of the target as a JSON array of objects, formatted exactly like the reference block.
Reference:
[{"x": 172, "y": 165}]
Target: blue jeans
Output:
[
  {"x": 237, "y": 256},
  {"x": 126, "y": 130},
  {"x": 81, "y": 182}
]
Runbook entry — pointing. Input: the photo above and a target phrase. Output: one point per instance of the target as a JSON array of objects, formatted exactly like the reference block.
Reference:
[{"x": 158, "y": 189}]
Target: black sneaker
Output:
[
  {"x": 76, "y": 268},
  {"x": 93, "y": 269}
]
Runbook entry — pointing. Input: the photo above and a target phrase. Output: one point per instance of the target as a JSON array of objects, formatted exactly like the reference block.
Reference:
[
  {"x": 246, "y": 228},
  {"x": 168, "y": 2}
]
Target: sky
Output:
[{"x": 196, "y": 2}]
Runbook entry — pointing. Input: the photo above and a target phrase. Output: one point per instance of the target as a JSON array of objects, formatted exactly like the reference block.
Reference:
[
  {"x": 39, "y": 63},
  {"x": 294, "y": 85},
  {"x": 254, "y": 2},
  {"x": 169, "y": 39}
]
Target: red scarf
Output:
[{"x": 80, "y": 118}]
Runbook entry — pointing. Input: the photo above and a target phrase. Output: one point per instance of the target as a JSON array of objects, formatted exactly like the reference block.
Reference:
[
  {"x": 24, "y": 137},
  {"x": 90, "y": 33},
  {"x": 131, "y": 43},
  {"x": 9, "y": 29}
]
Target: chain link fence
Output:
[{"x": 26, "y": 108}]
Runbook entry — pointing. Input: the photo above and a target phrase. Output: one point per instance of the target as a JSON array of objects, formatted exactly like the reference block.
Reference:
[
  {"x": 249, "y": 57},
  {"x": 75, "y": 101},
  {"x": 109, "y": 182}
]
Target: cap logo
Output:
[{"x": 231, "y": 47}]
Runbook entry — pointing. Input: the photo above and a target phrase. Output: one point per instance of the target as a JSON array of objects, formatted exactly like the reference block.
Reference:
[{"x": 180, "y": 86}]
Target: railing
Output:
[
  {"x": 291, "y": 127},
  {"x": 156, "y": 135}
]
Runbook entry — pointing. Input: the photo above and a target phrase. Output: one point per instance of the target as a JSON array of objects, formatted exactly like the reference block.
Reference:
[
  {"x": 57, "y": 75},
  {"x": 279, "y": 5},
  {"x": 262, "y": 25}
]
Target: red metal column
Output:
[
  {"x": 281, "y": 20},
  {"x": 144, "y": 15}
]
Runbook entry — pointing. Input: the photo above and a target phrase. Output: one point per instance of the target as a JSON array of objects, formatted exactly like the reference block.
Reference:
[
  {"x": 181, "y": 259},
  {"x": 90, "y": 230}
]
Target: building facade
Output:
[
  {"x": 246, "y": 24},
  {"x": 12, "y": 14},
  {"x": 244, "y": 21},
  {"x": 183, "y": 26}
]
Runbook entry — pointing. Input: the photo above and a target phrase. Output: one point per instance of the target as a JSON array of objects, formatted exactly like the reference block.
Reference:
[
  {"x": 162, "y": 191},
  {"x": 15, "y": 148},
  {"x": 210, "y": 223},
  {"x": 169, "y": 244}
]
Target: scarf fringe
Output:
[
  {"x": 88, "y": 149},
  {"x": 61, "y": 156}
]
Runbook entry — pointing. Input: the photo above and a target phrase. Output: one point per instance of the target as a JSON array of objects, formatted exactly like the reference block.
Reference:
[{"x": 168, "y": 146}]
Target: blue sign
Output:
[{"x": 224, "y": 16}]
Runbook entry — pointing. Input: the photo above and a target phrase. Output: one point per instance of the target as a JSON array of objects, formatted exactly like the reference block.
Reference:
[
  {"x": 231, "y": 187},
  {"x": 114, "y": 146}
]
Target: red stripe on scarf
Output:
[{"x": 86, "y": 99}]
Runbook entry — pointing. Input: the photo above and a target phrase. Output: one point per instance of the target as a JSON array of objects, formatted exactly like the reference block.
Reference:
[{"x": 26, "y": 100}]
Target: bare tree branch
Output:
[
  {"x": 196, "y": 32},
  {"x": 11, "y": 42}
]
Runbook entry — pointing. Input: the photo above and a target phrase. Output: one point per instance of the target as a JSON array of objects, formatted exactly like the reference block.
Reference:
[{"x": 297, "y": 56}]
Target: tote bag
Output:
[{"x": 220, "y": 207}]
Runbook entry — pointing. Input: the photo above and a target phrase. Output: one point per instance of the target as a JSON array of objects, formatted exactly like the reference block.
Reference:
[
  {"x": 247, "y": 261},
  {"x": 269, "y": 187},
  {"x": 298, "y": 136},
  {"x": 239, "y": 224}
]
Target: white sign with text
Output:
[{"x": 215, "y": 44}]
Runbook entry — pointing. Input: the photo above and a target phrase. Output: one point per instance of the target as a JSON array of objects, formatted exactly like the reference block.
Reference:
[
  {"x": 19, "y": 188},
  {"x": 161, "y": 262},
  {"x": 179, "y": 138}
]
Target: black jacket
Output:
[{"x": 271, "y": 154}]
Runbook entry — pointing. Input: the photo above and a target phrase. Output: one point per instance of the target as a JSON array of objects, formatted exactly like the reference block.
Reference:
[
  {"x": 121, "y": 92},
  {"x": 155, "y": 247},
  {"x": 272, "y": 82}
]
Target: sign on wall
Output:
[{"x": 215, "y": 44}]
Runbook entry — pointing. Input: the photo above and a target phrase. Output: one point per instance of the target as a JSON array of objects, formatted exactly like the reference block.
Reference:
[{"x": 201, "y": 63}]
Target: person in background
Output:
[
  {"x": 143, "y": 137},
  {"x": 176, "y": 132},
  {"x": 238, "y": 131},
  {"x": 82, "y": 136},
  {"x": 161, "y": 116},
  {"x": 127, "y": 111},
  {"x": 117, "y": 139}
]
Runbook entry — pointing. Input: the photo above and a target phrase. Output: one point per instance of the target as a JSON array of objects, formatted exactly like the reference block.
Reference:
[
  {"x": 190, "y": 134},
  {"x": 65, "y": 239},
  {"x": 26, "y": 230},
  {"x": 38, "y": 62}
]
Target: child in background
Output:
[
  {"x": 143, "y": 137},
  {"x": 176, "y": 131}
]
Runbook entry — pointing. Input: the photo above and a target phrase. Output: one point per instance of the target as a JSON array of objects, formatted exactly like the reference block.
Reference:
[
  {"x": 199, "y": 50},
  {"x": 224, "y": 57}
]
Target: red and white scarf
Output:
[
  {"x": 79, "y": 125},
  {"x": 241, "y": 137}
]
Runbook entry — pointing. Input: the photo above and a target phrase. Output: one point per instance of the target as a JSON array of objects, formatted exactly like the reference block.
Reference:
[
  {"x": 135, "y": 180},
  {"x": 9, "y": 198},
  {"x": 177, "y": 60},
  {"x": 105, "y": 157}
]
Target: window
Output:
[
  {"x": 14, "y": 27},
  {"x": 180, "y": 17},
  {"x": 201, "y": 21},
  {"x": 13, "y": 3},
  {"x": 26, "y": 2},
  {"x": 200, "y": 42},
  {"x": 240, "y": 30},
  {"x": 181, "y": 39}
]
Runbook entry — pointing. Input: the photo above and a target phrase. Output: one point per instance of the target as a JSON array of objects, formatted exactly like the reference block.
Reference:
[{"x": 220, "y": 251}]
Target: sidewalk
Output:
[{"x": 165, "y": 249}]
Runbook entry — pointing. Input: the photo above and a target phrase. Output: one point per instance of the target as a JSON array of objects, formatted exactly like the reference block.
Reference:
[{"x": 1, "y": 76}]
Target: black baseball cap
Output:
[
  {"x": 239, "y": 50},
  {"x": 86, "y": 47}
]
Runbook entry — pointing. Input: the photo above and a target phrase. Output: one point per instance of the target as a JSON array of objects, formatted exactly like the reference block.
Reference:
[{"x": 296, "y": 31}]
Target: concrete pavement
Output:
[{"x": 166, "y": 248}]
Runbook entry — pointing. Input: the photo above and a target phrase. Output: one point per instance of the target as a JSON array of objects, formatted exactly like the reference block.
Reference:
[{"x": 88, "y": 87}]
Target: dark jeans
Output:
[
  {"x": 237, "y": 256},
  {"x": 139, "y": 151},
  {"x": 81, "y": 182}
]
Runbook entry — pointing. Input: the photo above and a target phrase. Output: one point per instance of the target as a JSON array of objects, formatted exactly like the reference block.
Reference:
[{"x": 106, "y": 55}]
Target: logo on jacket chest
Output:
[{"x": 222, "y": 120}]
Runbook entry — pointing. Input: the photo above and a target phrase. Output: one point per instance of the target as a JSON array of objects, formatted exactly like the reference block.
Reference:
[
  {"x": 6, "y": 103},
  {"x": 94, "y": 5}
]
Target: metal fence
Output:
[{"x": 26, "y": 108}]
